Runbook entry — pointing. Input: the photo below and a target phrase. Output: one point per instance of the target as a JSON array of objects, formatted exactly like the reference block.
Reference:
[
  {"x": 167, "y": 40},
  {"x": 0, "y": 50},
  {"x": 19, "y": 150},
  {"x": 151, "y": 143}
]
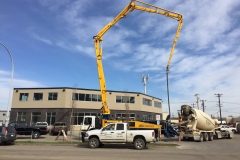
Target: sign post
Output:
[{"x": 158, "y": 123}]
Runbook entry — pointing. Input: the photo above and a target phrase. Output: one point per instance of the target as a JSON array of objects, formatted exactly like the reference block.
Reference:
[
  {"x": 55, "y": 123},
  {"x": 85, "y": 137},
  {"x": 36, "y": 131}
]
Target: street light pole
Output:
[{"x": 10, "y": 90}]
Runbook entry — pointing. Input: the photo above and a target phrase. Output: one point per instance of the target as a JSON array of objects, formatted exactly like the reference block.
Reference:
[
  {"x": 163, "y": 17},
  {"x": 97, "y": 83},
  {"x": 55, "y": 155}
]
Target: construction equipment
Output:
[
  {"x": 88, "y": 120},
  {"x": 198, "y": 126}
]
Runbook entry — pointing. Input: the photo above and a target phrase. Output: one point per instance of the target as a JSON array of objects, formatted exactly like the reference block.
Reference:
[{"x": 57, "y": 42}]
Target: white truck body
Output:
[
  {"x": 119, "y": 133},
  {"x": 199, "y": 126}
]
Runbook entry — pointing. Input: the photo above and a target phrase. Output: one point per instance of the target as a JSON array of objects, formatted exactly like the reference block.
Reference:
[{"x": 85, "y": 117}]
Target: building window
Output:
[
  {"x": 21, "y": 116},
  {"x": 94, "y": 97},
  {"x": 81, "y": 97},
  {"x": 51, "y": 118},
  {"x": 23, "y": 97},
  {"x": 157, "y": 104},
  {"x": 4, "y": 114},
  {"x": 75, "y": 96},
  {"x": 52, "y": 96},
  {"x": 125, "y": 99},
  {"x": 147, "y": 117},
  {"x": 125, "y": 116},
  {"x": 35, "y": 117},
  {"x": 87, "y": 97},
  {"x": 38, "y": 96},
  {"x": 147, "y": 102}
]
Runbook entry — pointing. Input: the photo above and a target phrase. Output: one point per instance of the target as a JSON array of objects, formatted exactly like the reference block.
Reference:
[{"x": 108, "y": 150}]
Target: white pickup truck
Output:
[
  {"x": 119, "y": 133},
  {"x": 226, "y": 127}
]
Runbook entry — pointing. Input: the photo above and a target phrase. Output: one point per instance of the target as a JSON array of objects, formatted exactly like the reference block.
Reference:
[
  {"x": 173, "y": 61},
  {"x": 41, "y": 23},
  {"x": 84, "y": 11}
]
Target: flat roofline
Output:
[{"x": 87, "y": 90}]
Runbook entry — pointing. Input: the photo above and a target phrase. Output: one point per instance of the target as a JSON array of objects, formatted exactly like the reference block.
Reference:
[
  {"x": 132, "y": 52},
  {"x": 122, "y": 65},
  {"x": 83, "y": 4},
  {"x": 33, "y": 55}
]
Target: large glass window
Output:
[
  {"x": 23, "y": 97},
  {"x": 147, "y": 102},
  {"x": 35, "y": 117},
  {"x": 94, "y": 98},
  {"x": 75, "y": 96},
  {"x": 125, "y": 116},
  {"x": 147, "y": 117},
  {"x": 86, "y": 97},
  {"x": 52, "y": 96},
  {"x": 38, "y": 96},
  {"x": 157, "y": 104},
  {"x": 51, "y": 118},
  {"x": 125, "y": 99},
  {"x": 21, "y": 116},
  {"x": 81, "y": 97}
]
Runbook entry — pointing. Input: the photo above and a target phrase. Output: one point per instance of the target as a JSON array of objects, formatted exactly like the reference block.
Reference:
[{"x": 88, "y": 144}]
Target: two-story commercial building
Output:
[{"x": 70, "y": 105}]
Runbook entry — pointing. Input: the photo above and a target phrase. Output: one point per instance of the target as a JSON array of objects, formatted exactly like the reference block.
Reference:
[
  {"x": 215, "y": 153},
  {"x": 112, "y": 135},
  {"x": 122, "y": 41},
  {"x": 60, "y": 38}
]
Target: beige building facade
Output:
[{"x": 70, "y": 105}]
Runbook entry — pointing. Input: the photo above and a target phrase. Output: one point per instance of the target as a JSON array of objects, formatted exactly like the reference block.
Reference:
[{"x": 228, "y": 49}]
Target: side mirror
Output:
[{"x": 168, "y": 117}]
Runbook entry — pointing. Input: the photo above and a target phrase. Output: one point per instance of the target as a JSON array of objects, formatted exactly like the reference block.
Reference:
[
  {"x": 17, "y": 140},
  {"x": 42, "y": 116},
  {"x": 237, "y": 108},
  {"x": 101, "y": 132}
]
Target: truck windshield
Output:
[{"x": 88, "y": 120}]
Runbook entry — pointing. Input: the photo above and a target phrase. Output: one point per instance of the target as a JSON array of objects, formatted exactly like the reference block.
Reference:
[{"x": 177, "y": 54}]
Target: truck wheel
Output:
[
  {"x": 210, "y": 136},
  {"x": 205, "y": 136},
  {"x": 139, "y": 143},
  {"x": 93, "y": 143},
  {"x": 234, "y": 131},
  {"x": 35, "y": 135},
  {"x": 201, "y": 137}
]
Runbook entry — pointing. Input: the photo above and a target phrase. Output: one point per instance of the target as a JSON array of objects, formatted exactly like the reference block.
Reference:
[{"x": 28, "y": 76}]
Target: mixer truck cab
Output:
[{"x": 199, "y": 126}]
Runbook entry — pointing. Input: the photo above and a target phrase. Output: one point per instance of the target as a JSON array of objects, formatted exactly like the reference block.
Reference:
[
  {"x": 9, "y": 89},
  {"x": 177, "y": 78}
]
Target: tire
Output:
[
  {"x": 139, "y": 143},
  {"x": 205, "y": 136},
  {"x": 201, "y": 137},
  {"x": 210, "y": 136},
  {"x": 234, "y": 131},
  {"x": 35, "y": 135},
  {"x": 6, "y": 143},
  {"x": 93, "y": 143}
]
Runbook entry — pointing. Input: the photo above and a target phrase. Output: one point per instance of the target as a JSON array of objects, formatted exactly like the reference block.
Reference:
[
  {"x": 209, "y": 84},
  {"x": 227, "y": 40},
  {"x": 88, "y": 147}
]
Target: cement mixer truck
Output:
[{"x": 198, "y": 126}]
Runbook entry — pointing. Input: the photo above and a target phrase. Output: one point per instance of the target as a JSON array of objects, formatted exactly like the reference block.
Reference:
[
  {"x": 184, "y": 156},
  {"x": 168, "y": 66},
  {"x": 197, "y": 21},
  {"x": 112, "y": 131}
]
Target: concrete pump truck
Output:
[{"x": 93, "y": 122}]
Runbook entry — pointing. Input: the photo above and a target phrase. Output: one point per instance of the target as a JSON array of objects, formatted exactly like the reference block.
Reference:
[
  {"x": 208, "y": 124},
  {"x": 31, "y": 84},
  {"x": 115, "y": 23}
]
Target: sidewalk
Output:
[{"x": 51, "y": 138}]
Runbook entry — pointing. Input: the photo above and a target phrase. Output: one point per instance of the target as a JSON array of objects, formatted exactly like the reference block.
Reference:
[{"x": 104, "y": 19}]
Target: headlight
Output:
[{"x": 86, "y": 135}]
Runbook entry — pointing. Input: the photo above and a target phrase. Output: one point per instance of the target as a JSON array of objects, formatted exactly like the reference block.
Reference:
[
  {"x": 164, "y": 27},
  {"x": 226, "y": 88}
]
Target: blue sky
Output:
[{"x": 52, "y": 46}]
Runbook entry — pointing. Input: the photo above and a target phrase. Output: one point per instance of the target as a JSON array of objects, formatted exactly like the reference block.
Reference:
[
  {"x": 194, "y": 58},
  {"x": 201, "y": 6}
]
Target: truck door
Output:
[
  {"x": 120, "y": 133},
  {"x": 107, "y": 133}
]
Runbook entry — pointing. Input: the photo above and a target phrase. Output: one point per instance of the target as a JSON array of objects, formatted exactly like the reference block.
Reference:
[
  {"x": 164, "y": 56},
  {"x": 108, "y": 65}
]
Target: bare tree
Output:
[{"x": 73, "y": 106}]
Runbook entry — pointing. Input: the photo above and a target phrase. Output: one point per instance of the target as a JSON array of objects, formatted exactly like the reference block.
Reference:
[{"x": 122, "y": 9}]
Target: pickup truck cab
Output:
[
  {"x": 119, "y": 133},
  {"x": 23, "y": 128}
]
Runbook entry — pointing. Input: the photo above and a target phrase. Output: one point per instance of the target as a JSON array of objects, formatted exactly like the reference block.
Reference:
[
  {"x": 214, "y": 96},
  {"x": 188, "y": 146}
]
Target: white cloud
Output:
[{"x": 5, "y": 87}]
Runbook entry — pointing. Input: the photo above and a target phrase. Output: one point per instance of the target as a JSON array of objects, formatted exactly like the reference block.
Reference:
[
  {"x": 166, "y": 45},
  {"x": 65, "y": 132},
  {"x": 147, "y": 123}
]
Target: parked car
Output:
[
  {"x": 7, "y": 134},
  {"x": 226, "y": 127},
  {"x": 22, "y": 128},
  {"x": 59, "y": 126}
]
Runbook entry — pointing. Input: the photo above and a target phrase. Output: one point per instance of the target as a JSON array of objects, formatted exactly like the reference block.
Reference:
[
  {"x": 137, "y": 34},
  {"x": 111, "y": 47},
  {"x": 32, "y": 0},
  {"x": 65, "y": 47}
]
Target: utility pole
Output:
[
  {"x": 219, "y": 95},
  {"x": 145, "y": 79},
  {"x": 203, "y": 107},
  {"x": 193, "y": 105},
  {"x": 197, "y": 100}
]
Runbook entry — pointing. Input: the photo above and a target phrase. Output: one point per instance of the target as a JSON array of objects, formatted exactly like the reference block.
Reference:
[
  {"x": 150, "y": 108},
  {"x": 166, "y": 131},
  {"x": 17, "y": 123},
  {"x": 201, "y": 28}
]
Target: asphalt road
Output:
[{"x": 188, "y": 150}]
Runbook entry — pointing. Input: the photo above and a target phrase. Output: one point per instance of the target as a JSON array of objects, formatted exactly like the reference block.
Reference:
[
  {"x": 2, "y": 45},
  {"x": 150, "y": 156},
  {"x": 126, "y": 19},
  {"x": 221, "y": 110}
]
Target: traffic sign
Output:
[{"x": 158, "y": 117}]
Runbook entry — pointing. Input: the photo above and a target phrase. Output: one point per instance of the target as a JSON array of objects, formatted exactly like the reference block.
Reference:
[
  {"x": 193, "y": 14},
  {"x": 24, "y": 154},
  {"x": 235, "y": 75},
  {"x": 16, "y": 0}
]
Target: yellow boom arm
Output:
[{"x": 98, "y": 39}]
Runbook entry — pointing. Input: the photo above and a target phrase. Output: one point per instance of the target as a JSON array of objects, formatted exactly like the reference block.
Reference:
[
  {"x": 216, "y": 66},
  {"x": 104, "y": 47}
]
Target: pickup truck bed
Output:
[{"x": 22, "y": 128}]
